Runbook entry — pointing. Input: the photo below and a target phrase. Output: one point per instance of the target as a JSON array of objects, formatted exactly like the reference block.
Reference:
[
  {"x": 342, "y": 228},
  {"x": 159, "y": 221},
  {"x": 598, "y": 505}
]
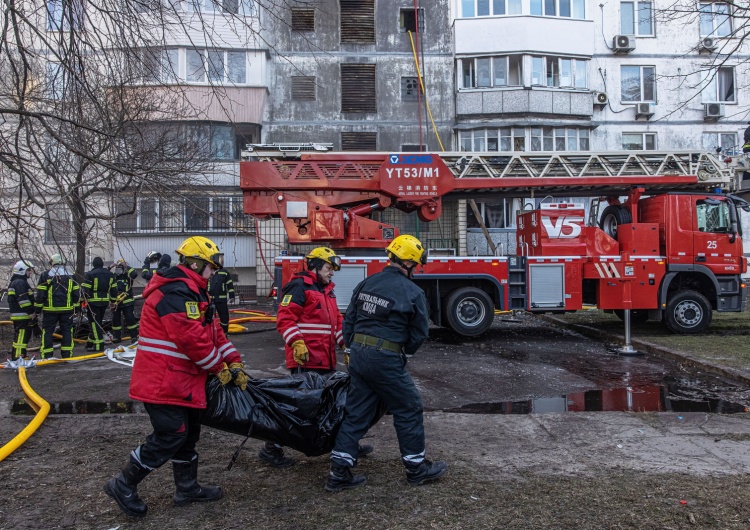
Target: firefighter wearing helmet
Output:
[
  {"x": 309, "y": 321},
  {"x": 57, "y": 298},
  {"x": 21, "y": 305},
  {"x": 123, "y": 304},
  {"x": 180, "y": 345},
  {"x": 386, "y": 320}
]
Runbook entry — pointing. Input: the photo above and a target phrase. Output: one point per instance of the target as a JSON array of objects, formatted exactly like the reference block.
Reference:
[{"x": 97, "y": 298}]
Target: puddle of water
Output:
[
  {"x": 22, "y": 408},
  {"x": 654, "y": 398}
]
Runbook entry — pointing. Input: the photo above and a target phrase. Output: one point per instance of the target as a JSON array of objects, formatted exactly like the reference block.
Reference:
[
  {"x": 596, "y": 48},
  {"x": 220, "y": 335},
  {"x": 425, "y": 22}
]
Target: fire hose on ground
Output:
[{"x": 126, "y": 354}]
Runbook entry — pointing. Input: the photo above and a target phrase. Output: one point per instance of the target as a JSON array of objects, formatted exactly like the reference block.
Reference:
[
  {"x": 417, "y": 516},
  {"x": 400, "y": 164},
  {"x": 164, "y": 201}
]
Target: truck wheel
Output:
[
  {"x": 612, "y": 217},
  {"x": 637, "y": 316},
  {"x": 469, "y": 311},
  {"x": 688, "y": 312}
]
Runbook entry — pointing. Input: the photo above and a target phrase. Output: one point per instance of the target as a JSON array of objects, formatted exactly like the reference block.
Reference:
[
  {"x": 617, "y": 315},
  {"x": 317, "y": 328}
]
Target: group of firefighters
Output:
[
  {"x": 58, "y": 296},
  {"x": 181, "y": 343}
]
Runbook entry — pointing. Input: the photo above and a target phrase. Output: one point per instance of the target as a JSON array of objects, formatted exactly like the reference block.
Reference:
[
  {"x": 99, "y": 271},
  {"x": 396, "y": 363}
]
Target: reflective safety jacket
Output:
[
  {"x": 388, "y": 306},
  {"x": 56, "y": 291},
  {"x": 99, "y": 286},
  {"x": 309, "y": 312},
  {"x": 124, "y": 281},
  {"x": 222, "y": 287},
  {"x": 20, "y": 298},
  {"x": 180, "y": 342}
]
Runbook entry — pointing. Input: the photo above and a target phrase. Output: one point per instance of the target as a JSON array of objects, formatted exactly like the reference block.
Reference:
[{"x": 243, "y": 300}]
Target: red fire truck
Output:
[{"x": 671, "y": 251}]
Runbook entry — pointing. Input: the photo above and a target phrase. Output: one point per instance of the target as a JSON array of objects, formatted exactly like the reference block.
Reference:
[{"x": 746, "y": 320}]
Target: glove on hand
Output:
[
  {"x": 224, "y": 376},
  {"x": 346, "y": 356},
  {"x": 300, "y": 354},
  {"x": 239, "y": 376}
]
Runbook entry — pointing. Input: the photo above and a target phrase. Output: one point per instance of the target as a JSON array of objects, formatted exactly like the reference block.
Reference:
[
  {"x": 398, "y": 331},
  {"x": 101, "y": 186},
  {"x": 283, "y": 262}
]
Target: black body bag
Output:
[{"x": 302, "y": 411}]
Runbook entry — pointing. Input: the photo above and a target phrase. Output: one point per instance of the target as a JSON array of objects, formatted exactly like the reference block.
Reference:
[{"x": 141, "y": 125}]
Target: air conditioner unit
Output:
[
  {"x": 600, "y": 98},
  {"x": 644, "y": 110},
  {"x": 713, "y": 111},
  {"x": 623, "y": 44},
  {"x": 708, "y": 44}
]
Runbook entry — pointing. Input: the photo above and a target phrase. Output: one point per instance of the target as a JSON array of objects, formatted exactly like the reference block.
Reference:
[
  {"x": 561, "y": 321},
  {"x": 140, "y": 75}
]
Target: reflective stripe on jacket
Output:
[
  {"x": 99, "y": 286},
  {"x": 178, "y": 347},
  {"x": 310, "y": 313},
  {"x": 56, "y": 291},
  {"x": 20, "y": 298}
]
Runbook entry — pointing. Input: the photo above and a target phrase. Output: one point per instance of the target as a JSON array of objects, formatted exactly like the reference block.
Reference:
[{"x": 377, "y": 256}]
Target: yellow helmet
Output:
[
  {"x": 407, "y": 248},
  {"x": 326, "y": 254},
  {"x": 199, "y": 247}
]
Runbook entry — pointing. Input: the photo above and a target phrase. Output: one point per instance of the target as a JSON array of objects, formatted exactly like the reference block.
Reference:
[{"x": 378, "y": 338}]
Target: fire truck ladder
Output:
[{"x": 709, "y": 169}]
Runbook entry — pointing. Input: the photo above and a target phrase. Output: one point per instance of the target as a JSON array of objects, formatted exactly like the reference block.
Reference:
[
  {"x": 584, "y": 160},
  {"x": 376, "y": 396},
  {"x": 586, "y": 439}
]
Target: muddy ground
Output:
[{"x": 583, "y": 470}]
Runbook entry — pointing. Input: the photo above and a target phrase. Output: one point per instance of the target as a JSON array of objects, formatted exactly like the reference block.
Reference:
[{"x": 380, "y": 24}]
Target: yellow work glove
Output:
[
  {"x": 300, "y": 354},
  {"x": 346, "y": 356},
  {"x": 240, "y": 377},
  {"x": 225, "y": 375}
]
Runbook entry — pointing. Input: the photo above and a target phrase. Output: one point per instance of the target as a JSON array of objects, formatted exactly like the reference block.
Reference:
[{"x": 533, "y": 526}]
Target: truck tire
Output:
[
  {"x": 688, "y": 312},
  {"x": 637, "y": 316},
  {"x": 469, "y": 311},
  {"x": 612, "y": 217}
]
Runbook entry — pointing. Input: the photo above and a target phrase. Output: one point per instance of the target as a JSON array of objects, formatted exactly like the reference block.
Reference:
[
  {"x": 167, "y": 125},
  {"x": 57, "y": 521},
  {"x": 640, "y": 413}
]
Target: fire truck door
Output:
[{"x": 716, "y": 243}]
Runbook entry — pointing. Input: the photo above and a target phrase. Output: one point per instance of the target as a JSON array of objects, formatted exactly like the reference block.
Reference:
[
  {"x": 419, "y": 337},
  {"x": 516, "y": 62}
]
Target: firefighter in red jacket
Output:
[
  {"x": 180, "y": 344},
  {"x": 310, "y": 323}
]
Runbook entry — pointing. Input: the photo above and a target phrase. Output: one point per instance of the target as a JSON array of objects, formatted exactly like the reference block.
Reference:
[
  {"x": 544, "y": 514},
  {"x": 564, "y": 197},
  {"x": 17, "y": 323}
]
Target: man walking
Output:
[
  {"x": 180, "y": 344},
  {"x": 309, "y": 321},
  {"x": 386, "y": 320}
]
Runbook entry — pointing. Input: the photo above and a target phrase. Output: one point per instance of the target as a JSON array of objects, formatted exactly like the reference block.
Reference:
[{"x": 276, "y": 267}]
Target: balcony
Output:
[
  {"x": 524, "y": 33},
  {"x": 531, "y": 101}
]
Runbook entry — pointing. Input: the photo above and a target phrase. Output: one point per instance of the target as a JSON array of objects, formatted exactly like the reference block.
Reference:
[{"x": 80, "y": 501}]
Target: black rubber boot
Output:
[
  {"x": 341, "y": 478},
  {"x": 364, "y": 450},
  {"x": 425, "y": 472},
  {"x": 123, "y": 489},
  {"x": 273, "y": 455},
  {"x": 188, "y": 489}
]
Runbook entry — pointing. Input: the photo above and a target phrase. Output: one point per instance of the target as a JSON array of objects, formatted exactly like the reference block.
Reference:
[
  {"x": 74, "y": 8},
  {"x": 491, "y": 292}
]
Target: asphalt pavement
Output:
[{"x": 451, "y": 374}]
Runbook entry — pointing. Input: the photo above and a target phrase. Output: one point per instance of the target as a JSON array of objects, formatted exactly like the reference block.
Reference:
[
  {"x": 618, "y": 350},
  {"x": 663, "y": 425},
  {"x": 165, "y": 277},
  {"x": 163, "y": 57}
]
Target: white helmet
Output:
[{"x": 22, "y": 266}]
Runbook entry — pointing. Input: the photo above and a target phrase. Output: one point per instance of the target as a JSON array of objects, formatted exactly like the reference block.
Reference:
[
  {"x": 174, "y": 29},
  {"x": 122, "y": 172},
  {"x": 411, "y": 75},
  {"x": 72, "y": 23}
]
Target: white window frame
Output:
[
  {"x": 637, "y": 7},
  {"x": 511, "y": 62},
  {"x": 543, "y": 67},
  {"x": 721, "y": 23},
  {"x": 724, "y": 139},
  {"x": 206, "y": 71},
  {"x": 245, "y": 8},
  {"x": 525, "y": 139},
  {"x": 711, "y": 92},
  {"x": 642, "y": 83},
  {"x": 644, "y": 136},
  {"x": 494, "y": 8},
  {"x": 57, "y": 19},
  {"x": 552, "y": 8}
]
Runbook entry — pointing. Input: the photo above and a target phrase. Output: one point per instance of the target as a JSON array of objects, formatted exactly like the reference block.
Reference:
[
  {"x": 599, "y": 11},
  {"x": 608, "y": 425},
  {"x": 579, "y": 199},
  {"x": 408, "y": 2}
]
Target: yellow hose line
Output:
[
  {"x": 69, "y": 359},
  {"x": 424, "y": 92},
  {"x": 32, "y": 427}
]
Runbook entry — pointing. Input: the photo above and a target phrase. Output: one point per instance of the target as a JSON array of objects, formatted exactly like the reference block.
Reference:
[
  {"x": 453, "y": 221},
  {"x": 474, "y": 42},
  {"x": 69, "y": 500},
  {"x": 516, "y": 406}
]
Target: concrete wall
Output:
[{"x": 320, "y": 54}]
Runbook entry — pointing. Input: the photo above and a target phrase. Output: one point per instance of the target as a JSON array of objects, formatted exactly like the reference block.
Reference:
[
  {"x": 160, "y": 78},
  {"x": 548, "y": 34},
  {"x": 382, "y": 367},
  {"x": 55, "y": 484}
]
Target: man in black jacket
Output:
[
  {"x": 386, "y": 320},
  {"x": 123, "y": 306},
  {"x": 222, "y": 292},
  {"x": 164, "y": 262},
  {"x": 21, "y": 305},
  {"x": 99, "y": 287},
  {"x": 57, "y": 297}
]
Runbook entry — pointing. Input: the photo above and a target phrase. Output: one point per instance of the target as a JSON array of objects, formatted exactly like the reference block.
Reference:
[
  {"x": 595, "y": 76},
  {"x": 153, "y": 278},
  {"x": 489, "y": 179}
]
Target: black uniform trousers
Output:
[
  {"x": 127, "y": 313},
  {"x": 50, "y": 320},
  {"x": 21, "y": 336},
  {"x": 377, "y": 374},
  {"x": 176, "y": 432},
  {"x": 96, "y": 318},
  {"x": 222, "y": 308}
]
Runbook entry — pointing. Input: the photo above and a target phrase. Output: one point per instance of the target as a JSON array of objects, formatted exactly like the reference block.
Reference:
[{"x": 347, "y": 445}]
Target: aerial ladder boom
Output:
[{"x": 330, "y": 197}]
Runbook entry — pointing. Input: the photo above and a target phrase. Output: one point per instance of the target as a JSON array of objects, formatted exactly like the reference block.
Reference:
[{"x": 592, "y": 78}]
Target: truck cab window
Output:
[{"x": 713, "y": 216}]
